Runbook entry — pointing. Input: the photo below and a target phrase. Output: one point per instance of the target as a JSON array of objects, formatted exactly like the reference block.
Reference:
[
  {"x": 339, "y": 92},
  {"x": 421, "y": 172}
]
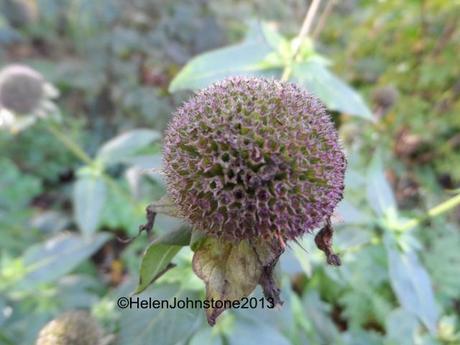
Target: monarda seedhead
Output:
[
  {"x": 21, "y": 89},
  {"x": 71, "y": 328},
  {"x": 252, "y": 158},
  {"x": 250, "y": 163}
]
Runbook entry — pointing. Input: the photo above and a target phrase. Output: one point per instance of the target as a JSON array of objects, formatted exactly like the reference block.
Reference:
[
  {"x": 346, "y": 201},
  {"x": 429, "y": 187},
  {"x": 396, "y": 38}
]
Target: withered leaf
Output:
[{"x": 232, "y": 271}]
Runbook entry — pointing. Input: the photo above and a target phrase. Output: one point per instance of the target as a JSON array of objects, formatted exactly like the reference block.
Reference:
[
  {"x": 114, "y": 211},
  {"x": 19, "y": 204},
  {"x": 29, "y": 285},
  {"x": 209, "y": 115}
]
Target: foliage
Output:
[{"x": 264, "y": 53}]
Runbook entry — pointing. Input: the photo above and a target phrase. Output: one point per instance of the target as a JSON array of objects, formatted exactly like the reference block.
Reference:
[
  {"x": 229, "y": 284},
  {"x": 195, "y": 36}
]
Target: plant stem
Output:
[
  {"x": 322, "y": 20},
  {"x": 79, "y": 153},
  {"x": 69, "y": 143},
  {"x": 303, "y": 33},
  {"x": 433, "y": 212},
  {"x": 308, "y": 21}
]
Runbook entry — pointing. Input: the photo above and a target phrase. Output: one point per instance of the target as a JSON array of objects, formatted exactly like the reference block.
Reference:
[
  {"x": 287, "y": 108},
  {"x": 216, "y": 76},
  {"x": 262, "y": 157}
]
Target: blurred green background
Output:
[{"x": 80, "y": 173}]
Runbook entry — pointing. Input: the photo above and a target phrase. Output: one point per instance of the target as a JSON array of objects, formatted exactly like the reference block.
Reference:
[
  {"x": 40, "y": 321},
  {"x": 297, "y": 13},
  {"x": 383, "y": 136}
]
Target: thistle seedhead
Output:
[
  {"x": 21, "y": 89},
  {"x": 254, "y": 158},
  {"x": 71, "y": 328}
]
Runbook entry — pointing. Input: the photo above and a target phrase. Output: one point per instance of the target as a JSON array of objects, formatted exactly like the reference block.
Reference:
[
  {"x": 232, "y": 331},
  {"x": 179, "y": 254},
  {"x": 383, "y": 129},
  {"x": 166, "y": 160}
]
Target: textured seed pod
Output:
[
  {"x": 71, "y": 328},
  {"x": 21, "y": 89},
  {"x": 251, "y": 157},
  {"x": 19, "y": 13}
]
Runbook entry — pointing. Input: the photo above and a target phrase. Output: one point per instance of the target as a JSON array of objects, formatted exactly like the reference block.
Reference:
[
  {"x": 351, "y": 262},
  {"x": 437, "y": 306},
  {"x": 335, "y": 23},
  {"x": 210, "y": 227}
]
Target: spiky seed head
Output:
[
  {"x": 71, "y": 328},
  {"x": 252, "y": 157},
  {"x": 21, "y": 89}
]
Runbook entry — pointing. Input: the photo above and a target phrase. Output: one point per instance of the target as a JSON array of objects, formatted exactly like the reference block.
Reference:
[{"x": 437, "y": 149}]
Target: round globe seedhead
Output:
[
  {"x": 251, "y": 157},
  {"x": 71, "y": 328},
  {"x": 385, "y": 96},
  {"x": 21, "y": 89}
]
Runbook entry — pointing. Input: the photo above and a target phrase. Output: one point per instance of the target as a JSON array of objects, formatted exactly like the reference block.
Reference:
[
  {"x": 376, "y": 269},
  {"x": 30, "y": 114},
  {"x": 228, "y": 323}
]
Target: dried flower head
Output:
[
  {"x": 249, "y": 158},
  {"x": 385, "y": 96},
  {"x": 21, "y": 89},
  {"x": 71, "y": 328}
]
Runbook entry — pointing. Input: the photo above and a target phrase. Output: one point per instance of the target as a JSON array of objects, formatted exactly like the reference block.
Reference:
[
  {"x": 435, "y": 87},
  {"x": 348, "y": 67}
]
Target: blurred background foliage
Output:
[{"x": 388, "y": 70}]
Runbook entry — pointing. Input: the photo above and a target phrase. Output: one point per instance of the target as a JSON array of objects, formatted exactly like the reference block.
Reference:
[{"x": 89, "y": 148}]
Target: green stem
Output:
[
  {"x": 79, "y": 153},
  {"x": 304, "y": 31},
  {"x": 69, "y": 143},
  {"x": 433, "y": 212},
  {"x": 322, "y": 20},
  {"x": 286, "y": 73}
]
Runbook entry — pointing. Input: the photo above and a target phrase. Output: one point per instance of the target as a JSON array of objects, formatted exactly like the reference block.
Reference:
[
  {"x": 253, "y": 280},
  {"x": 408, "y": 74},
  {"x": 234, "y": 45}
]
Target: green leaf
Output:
[
  {"x": 303, "y": 259},
  {"x": 351, "y": 237},
  {"x": 239, "y": 59},
  {"x": 45, "y": 262},
  {"x": 333, "y": 91},
  {"x": 250, "y": 332},
  {"x": 179, "y": 237},
  {"x": 442, "y": 258},
  {"x": 125, "y": 145},
  {"x": 157, "y": 258},
  {"x": 75, "y": 291},
  {"x": 281, "y": 318},
  {"x": 318, "y": 314},
  {"x": 155, "y": 262},
  {"x": 361, "y": 305},
  {"x": 206, "y": 336},
  {"x": 412, "y": 284},
  {"x": 160, "y": 325},
  {"x": 273, "y": 37},
  {"x": 379, "y": 193},
  {"x": 302, "y": 321},
  {"x": 360, "y": 337},
  {"x": 119, "y": 212},
  {"x": 370, "y": 268},
  {"x": 365, "y": 299},
  {"x": 184, "y": 275},
  {"x": 147, "y": 162},
  {"x": 24, "y": 329},
  {"x": 17, "y": 188},
  {"x": 351, "y": 215},
  {"x": 89, "y": 197},
  {"x": 401, "y": 327},
  {"x": 3, "y": 305}
]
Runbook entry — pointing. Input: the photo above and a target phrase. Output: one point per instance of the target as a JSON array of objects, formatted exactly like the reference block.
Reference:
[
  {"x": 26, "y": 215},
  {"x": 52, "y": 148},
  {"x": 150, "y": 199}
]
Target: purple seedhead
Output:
[
  {"x": 21, "y": 89},
  {"x": 253, "y": 157}
]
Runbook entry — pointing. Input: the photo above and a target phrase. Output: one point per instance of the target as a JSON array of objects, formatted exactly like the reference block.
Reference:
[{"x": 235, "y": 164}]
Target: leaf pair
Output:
[
  {"x": 90, "y": 189},
  {"x": 265, "y": 52},
  {"x": 412, "y": 285},
  {"x": 408, "y": 277},
  {"x": 48, "y": 261},
  {"x": 230, "y": 270}
]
